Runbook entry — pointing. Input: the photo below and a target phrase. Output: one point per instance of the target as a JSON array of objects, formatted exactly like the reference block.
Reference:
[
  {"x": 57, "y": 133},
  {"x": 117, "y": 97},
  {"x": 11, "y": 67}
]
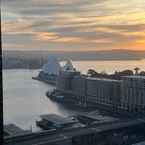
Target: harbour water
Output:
[{"x": 25, "y": 100}]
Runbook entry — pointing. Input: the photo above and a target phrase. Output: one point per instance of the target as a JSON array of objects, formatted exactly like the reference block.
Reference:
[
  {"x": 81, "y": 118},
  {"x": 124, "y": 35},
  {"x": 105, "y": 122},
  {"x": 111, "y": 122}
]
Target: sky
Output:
[{"x": 73, "y": 25}]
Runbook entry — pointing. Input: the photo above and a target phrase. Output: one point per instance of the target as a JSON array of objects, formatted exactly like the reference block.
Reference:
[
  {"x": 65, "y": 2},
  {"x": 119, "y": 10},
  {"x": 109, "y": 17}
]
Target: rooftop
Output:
[
  {"x": 135, "y": 77},
  {"x": 52, "y": 66},
  {"x": 103, "y": 79},
  {"x": 98, "y": 117},
  {"x": 57, "y": 119}
]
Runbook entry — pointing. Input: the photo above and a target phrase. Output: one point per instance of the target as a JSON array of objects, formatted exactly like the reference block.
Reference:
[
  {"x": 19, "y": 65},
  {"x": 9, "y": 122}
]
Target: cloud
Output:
[
  {"x": 45, "y": 36},
  {"x": 73, "y": 24}
]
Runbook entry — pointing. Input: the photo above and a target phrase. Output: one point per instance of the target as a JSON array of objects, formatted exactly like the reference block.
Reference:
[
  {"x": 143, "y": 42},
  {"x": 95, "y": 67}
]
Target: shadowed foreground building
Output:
[
  {"x": 13, "y": 130},
  {"x": 125, "y": 132}
]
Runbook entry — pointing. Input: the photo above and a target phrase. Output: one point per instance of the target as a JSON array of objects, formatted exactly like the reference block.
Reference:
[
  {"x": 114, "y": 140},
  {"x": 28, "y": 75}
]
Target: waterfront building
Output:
[
  {"x": 127, "y": 94},
  {"x": 64, "y": 80},
  {"x": 133, "y": 93},
  {"x": 96, "y": 91},
  {"x": 89, "y": 90},
  {"x": 104, "y": 91},
  {"x": 79, "y": 88},
  {"x": 52, "y": 67},
  {"x": 68, "y": 66},
  {"x": 49, "y": 71}
]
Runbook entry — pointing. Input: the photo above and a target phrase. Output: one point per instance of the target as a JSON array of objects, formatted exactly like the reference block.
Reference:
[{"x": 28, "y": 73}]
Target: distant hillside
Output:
[{"x": 35, "y": 59}]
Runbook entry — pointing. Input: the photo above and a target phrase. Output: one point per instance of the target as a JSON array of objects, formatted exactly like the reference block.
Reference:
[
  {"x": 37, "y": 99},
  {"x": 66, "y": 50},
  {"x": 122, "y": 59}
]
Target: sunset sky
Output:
[{"x": 73, "y": 25}]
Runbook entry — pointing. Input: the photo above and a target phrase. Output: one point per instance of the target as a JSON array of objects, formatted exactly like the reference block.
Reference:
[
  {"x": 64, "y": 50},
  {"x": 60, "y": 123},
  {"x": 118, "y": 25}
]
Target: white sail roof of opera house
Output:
[
  {"x": 52, "y": 66},
  {"x": 68, "y": 66}
]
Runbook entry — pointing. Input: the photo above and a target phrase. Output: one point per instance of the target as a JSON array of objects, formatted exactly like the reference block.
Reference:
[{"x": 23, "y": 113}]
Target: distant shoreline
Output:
[
  {"x": 29, "y": 64},
  {"x": 36, "y": 65}
]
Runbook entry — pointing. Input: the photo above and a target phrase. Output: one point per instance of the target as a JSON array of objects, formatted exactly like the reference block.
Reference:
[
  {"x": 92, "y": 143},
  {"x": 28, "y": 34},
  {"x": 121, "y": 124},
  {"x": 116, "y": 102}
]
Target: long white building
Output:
[
  {"x": 52, "y": 67},
  {"x": 104, "y": 91},
  {"x": 89, "y": 90},
  {"x": 127, "y": 94},
  {"x": 133, "y": 93}
]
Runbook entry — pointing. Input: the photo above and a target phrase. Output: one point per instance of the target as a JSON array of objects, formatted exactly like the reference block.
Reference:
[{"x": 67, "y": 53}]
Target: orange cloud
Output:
[
  {"x": 69, "y": 40},
  {"x": 138, "y": 45},
  {"x": 45, "y": 36}
]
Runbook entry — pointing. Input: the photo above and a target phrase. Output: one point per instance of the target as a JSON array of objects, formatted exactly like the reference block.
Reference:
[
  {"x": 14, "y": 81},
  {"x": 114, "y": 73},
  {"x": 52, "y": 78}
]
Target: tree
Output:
[
  {"x": 142, "y": 73},
  {"x": 126, "y": 73},
  {"x": 92, "y": 73},
  {"x": 136, "y": 70}
]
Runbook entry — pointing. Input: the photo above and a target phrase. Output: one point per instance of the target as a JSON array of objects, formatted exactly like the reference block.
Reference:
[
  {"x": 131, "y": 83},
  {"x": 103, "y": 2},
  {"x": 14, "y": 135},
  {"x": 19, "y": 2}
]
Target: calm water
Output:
[{"x": 25, "y": 100}]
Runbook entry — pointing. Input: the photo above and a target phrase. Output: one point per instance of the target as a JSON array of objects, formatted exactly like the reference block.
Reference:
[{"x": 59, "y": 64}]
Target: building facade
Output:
[
  {"x": 89, "y": 90},
  {"x": 133, "y": 93},
  {"x": 103, "y": 91},
  {"x": 127, "y": 94},
  {"x": 64, "y": 80},
  {"x": 79, "y": 88}
]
